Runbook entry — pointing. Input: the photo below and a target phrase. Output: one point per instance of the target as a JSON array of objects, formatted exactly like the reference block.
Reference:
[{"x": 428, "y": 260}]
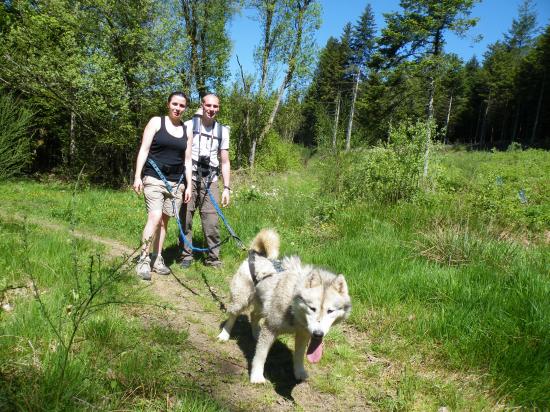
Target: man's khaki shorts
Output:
[{"x": 157, "y": 196}]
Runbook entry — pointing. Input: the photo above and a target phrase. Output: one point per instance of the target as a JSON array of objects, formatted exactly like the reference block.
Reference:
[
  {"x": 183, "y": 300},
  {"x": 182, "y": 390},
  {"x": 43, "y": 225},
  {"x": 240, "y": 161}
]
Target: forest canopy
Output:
[{"x": 93, "y": 72}]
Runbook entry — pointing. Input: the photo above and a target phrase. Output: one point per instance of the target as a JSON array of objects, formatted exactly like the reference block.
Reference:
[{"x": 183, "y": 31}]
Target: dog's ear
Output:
[
  {"x": 339, "y": 283},
  {"x": 313, "y": 280}
]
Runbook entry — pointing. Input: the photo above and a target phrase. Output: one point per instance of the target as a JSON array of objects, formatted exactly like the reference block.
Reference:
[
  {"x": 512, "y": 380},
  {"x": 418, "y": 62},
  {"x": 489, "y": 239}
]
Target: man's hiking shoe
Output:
[
  {"x": 143, "y": 268},
  {"x": 159, "y": 267},
  {"x": 186, "y": 264},
  {"x": 216, "y": 264}
]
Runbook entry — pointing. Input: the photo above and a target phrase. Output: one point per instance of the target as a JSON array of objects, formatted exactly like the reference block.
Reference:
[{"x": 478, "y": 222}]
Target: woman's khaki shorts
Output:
[{"x": 157, "y": 196}]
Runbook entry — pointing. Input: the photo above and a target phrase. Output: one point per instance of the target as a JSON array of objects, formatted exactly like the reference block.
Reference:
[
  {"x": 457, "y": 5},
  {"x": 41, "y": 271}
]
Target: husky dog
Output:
[{"x": 290, "y": 298}]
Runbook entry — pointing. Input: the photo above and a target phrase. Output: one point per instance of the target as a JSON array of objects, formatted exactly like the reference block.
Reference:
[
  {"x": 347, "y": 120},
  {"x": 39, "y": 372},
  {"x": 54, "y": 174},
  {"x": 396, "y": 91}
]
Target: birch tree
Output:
[
  {"x": 205, "y": 63},
  {"x": 288, "y": 26}
]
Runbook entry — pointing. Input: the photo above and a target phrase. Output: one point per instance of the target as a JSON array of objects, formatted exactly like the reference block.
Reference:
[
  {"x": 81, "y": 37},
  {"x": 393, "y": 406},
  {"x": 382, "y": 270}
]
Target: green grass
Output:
[
  {"x": 114, "y": 361},
  {"x": 488, "y": 185},
  {"x": 456, "y": 282}
]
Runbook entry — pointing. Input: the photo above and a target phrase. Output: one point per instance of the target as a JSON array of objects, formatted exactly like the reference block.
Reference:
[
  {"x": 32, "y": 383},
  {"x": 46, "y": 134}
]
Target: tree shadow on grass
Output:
[
  {"x": 278, "y": 367},
  {"x": 172, "y": 254}
]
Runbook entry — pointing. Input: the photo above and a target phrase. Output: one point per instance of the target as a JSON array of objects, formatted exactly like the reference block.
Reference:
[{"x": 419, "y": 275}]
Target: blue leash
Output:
[
  {"x": 224, "y": 220},
  {"x": 216, "y": 206}
]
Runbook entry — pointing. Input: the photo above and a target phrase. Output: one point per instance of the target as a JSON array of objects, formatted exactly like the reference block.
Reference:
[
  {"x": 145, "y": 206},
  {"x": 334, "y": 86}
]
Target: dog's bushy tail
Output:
[{"x": 266, "y": 243}]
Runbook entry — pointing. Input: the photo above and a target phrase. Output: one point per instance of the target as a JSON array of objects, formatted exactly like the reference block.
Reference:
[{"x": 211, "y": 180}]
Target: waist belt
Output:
[
  {"x": 163, "y": 178},
  {"x": 167, "y": 169}
]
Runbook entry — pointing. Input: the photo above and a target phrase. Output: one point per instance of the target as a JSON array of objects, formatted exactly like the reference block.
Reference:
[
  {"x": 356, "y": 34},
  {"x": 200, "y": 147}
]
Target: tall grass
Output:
[{"x": 64, "y": 345}]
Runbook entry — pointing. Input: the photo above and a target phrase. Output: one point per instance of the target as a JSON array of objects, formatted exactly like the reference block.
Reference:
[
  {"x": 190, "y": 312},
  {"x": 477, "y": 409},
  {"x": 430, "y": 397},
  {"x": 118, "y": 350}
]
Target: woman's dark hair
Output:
[{"x": 181, "y": 94}]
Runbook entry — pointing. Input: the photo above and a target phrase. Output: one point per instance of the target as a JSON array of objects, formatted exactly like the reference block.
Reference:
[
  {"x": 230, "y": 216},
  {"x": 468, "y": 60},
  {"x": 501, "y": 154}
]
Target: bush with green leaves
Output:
[
  {"x": 15, "y": 139},
  {"x": 386, "y": 173},
  {"x": 277, "y": 155}
]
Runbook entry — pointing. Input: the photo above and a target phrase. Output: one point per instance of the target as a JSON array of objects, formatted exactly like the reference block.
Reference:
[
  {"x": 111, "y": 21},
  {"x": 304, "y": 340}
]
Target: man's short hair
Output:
[{"x": 210, "y": 94}]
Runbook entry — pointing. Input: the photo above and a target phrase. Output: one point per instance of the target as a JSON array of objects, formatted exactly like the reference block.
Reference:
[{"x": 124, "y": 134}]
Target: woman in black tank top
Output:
[{"x": 166, "y": 142}]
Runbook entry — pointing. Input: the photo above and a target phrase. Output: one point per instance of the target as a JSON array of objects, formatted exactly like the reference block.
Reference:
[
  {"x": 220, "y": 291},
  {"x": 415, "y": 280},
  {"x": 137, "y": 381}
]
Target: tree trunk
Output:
[
  {"x": 202, "y": 68},
  {"x": 352, "y": 110},
  {"x": 246, "y": 129},
  {"x": 539, "y": 104},
  {"x": 448, "y": 118},
  {"x": 268, "y": 41},
  {"x": 240, "y": 148},
  {"x": 335, "y": 131},
  {"x": 429, "y": 127},
  {"x": 516, "y": 124},
  {"x": 437, "y": 44},
  {"x": 484, "y": 124},
  {"x": 504, "y": 121},
  {"x": 271, "y": 119},
  {"x": 252, "y": 155},
  {"x": 190, "y": 16},
  {"x": 245, "y": 134},
  {"x": 478, "y": 124},
  {"x": 72, "y": 139}
]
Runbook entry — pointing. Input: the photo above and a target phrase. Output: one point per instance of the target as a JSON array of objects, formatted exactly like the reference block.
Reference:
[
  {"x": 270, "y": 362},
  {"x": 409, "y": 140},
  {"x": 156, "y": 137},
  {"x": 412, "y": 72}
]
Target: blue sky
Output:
[{"x": 495, "y": 18}]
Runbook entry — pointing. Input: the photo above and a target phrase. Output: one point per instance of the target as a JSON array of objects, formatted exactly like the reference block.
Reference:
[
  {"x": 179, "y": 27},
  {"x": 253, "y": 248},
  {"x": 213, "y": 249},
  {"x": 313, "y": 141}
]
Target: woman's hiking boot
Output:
[{"x": 159, "y": 266}]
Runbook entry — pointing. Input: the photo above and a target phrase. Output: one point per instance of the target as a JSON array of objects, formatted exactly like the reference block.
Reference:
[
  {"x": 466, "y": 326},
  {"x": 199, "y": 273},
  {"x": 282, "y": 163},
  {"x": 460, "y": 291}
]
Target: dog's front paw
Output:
[
  {"x": 223, "y": 336},
  {"x": 300, "y": 374},
  {"x": 257, "y": 378}
]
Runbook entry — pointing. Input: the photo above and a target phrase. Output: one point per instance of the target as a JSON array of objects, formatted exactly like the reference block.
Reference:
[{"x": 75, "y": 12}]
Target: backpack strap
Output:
[
  {"x": 197, "y": 129},
  {"x": 196, "y": 125},
  {"x": 220, "y": 134}
]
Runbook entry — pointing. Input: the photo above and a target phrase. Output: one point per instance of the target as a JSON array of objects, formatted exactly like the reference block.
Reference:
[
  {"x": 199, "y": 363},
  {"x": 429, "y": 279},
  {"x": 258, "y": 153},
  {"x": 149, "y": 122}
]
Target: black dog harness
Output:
[{"x": 277, "y": 264}]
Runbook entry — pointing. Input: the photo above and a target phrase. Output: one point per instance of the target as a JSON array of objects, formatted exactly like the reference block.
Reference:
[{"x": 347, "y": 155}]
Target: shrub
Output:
[
  {"x": 386, "y": 173},
  {"x": 276, "y": 155},
  {"x": 15, "y": 140}
]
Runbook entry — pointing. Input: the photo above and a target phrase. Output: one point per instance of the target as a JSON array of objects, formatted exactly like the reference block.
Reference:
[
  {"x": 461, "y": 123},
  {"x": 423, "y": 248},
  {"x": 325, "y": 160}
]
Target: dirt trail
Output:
[{"x": 221, "y": 369}]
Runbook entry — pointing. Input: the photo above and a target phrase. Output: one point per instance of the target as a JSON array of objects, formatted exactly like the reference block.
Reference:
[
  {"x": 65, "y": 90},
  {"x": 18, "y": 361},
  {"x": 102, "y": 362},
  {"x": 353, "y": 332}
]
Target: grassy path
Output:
[
  {"x": 219, "y": 369},
  {"x": 352, "y": 378}
]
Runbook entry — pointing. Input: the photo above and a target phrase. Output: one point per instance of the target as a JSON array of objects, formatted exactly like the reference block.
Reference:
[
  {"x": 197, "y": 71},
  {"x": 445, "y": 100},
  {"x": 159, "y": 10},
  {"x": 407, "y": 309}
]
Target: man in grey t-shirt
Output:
[{"x": 210, "y": 152}]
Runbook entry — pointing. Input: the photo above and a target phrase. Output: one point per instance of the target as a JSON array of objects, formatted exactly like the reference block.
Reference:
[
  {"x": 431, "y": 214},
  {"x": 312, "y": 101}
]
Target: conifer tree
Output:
[
  {"x": 418, "y": 32},
  {"x": 362, "y": 44}
]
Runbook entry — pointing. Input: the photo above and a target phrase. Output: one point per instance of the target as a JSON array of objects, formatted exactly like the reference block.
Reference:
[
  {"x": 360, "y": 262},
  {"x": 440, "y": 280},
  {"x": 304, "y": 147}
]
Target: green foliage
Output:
[
  {"x": 418, "y": 29},
  {"x": 204, "y": 64},
  {"x": 514, "y": 147},
  {"x": 387, "y": 173},
  {"x": 277, "y": 155},
  {"x": 102, "y": 75},
  {"x": 15, "y": 137}
]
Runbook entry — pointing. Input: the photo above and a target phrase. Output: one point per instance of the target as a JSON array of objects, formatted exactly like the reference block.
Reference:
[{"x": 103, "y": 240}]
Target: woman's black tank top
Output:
[{"x": 168, "y": 152}]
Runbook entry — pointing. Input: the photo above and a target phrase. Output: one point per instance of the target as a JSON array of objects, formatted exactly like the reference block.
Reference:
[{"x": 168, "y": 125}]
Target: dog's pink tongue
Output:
[{"x": 315, "y": 350}]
